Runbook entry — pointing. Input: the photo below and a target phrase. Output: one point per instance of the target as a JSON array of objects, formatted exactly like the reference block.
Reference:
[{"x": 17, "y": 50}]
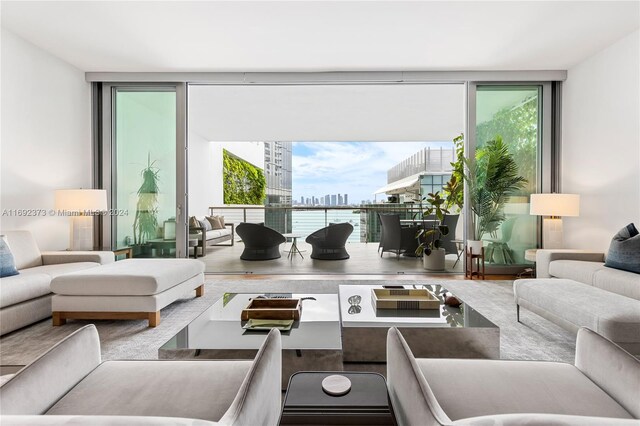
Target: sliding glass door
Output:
[
  {"x": 145, "y": 170},
  {"x": 511, "y": 117}
]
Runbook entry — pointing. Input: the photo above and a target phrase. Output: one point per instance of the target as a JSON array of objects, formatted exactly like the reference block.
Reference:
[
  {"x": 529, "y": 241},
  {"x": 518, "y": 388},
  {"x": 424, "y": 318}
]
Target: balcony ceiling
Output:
[{"x": 321, "y": 36}]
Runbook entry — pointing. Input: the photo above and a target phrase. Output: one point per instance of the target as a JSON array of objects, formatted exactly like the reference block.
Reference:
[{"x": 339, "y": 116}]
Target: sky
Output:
[{"x": 354, "y": 168}]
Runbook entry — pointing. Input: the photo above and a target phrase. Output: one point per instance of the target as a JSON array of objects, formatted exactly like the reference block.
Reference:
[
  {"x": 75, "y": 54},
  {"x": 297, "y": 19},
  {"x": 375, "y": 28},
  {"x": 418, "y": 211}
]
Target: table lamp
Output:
[
  {"x": 555, "y": 206},
  {"x": 80, "y": 205}
]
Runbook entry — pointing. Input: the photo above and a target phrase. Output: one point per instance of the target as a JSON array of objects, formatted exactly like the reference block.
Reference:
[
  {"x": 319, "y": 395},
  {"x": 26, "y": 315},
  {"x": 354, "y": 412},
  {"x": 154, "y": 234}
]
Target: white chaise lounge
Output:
[{"x": 128, "y": 289}]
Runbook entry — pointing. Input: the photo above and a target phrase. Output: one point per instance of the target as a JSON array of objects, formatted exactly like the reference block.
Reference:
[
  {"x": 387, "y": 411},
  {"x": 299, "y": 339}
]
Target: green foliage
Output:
[
  {"x": 519, "y": 126},
  {"x": 454, "y": 189},
  {"x": 491, "y": 178},
  {"x": 145, "y": 222},
  {"x": 429, "y": 235},
  {"x": 243, "y": 182}
]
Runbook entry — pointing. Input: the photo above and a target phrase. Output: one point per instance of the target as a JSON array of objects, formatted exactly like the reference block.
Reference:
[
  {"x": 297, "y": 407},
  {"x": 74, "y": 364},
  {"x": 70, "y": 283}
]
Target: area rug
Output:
[{"x": 534, "y": 338}]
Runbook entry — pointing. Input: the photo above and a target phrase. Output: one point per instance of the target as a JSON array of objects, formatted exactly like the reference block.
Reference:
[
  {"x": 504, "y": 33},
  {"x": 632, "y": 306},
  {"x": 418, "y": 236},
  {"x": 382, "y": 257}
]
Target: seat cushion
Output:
[
  {"x": 218, "y": 233},
  {"x": 58, "y": 269},
  {"x": 470, "y": 388},
  {"x": 129, "y": 277},
  {"x": 18, "y": 288},
  {"x": 35, "y": 282},
  {"x": 193, "y": 389},
  {"x": 613, "y": 316}
]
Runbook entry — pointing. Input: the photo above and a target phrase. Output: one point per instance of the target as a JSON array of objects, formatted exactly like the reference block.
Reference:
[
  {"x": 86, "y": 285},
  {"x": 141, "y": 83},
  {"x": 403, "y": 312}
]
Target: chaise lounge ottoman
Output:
[{"x": 128, "y": 289}]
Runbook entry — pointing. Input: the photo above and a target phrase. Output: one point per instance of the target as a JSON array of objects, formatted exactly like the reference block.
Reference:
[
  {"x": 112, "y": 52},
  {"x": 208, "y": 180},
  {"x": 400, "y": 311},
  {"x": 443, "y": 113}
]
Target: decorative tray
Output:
[
  {"x": 272, "y": 309},
  {"x": 403, "y": 299}
]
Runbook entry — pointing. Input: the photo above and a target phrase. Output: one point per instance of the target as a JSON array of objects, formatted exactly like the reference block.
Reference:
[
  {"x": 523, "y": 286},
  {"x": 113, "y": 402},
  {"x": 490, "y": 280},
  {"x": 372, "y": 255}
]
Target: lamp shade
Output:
[
  {"x": 81, "y": 199},
  {"x": 555, "y": 204}
]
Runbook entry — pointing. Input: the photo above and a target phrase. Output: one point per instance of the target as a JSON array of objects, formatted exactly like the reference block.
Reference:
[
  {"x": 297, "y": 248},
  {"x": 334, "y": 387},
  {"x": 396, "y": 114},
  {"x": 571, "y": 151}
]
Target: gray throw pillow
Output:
[
  {"x": 624, "y": 251},
  {"x": 7, "y": 262},
  {"x": 205, "y": 224}
]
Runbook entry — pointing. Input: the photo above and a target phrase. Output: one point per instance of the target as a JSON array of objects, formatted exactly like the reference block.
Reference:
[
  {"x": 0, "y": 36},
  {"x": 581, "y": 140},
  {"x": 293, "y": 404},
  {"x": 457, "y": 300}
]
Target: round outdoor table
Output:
[{"x": 294, "y": 245}]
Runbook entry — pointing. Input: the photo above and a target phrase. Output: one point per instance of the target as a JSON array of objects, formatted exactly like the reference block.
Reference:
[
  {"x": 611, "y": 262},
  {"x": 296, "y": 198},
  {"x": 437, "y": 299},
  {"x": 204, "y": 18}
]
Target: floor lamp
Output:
[
  {"x": 80, "y": 205},
  {"x": 554, "y": 206}
]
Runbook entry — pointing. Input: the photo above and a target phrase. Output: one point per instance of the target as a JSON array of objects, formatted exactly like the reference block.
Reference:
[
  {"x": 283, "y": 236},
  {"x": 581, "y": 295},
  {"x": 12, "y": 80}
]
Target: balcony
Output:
[{"x": 362, "y": 245}]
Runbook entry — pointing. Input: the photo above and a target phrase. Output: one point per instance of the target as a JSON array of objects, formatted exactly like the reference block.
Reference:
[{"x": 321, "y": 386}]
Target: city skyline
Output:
[
  {"x": 355, "y": 168},
  {"x": 323, "y": 200}
]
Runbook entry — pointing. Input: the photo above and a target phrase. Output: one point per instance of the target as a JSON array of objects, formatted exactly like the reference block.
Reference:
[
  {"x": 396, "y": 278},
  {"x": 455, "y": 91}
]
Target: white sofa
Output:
[
  {"x": 69, "y": 385},
  {"x": 26, "y": 298},
  {"x": 601, "y": 388},
  {"x": 206, "y": 236},
  {"x": 574, "y": 289}
]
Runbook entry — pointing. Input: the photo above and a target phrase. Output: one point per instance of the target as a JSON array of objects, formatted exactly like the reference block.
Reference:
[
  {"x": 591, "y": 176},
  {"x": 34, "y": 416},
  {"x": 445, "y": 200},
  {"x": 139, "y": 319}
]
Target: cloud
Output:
[{"x": 355, "y": 168}]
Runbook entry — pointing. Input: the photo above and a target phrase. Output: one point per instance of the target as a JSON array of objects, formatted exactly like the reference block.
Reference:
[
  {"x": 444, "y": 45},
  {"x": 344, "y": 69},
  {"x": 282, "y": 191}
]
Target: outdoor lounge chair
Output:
[
  {"x": 260, "y": 242},
  {"x": 329, "y": 243}
]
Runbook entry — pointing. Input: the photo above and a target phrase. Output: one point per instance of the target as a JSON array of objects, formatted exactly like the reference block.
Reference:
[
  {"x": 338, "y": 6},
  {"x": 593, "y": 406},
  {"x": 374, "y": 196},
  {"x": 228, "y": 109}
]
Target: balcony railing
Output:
[{"x": 304, "y": 220}]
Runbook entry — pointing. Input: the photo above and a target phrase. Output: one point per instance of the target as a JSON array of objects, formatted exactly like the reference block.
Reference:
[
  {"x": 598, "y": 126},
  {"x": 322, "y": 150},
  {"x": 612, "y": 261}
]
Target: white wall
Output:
[
  {"x": 420, "y": 112},
  {"x": 45, "y": 136},
  {"x": 601, "y": 143}
]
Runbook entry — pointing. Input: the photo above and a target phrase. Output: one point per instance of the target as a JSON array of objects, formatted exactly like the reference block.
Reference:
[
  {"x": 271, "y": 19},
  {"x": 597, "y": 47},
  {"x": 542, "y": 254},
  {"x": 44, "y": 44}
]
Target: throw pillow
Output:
[
  {"x": 193, "y": 222},
  {"x": 7, "y": 262},
  {"x": 624, "y": 251},
  {"x": 205, "y": 224},
  {"x": 221, "y": 219},
  {"x": 215, "y": 222}
]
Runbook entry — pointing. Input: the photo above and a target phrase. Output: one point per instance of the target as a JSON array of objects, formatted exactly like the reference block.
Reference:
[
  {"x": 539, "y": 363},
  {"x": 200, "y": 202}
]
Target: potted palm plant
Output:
[
  {"x": 433, "y": 255},
  {"x": 145, "y": 222},
  {"x": 492, "y": 176}
]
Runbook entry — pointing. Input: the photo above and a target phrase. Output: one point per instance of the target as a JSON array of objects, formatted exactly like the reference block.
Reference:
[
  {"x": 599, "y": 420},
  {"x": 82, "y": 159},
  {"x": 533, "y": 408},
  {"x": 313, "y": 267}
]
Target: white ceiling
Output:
[{"x": 321, "y": 36}]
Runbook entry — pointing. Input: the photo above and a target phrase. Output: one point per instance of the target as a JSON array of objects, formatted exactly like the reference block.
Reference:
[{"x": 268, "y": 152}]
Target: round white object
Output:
[{"x": 336, "y": 385}]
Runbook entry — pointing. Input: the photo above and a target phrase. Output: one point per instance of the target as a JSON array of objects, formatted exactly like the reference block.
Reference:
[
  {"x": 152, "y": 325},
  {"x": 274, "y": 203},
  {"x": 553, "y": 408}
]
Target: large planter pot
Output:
[
  {"x": 475, "y": 246},
  {"x": 435, "y": 261}
]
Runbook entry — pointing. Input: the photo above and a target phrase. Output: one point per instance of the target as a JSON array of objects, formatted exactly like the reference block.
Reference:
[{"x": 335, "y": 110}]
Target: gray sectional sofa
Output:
[
  {"x": 600, "y": 388},
  {"x": 574, "y": 289},
  {"x": 26, "y": 298}
]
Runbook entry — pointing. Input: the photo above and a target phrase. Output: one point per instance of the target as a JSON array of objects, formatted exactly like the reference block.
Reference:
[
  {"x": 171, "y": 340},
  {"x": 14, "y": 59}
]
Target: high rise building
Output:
[
  {"x": 302, "y": 200},
  {"x": 346, "y": 199},
  {"x": 340, "y": 200},
  {"x": 333, "y": 200},
  {"x": 277, "y": 168}
]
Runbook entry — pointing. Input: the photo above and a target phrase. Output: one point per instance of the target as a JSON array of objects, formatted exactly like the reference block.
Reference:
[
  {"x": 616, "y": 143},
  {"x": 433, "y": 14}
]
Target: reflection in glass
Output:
[
  {"x": 144, "y": 181},
  {"x": 513, "y": 113}
]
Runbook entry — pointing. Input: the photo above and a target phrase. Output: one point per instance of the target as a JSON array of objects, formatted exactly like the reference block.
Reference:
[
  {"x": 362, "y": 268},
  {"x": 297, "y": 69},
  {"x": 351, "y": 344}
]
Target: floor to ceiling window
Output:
[
  {"x": 144, "y": 170},
  {"x": 512, "y": 115}
]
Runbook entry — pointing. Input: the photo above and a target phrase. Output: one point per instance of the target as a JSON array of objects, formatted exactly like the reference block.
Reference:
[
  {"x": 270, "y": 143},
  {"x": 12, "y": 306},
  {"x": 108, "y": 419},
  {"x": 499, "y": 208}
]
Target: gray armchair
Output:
[
  {"x": 329, "y": 243},
  {"x": 70, "y": 385},
  {"x": 601, "y": 388},
  {"x": 260, "y": 242}
]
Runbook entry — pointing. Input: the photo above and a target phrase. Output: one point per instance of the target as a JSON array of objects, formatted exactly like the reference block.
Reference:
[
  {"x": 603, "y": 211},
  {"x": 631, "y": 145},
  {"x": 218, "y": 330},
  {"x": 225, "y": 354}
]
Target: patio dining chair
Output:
[{"x": 395, "y": 238}]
